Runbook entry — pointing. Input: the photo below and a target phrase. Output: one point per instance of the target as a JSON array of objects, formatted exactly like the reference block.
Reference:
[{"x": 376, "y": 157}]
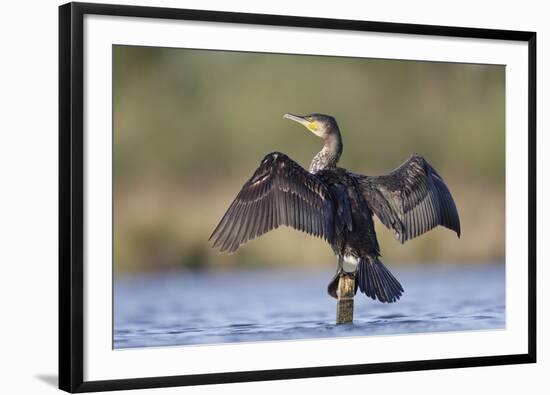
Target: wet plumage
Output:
[{"x": 338, "y": 206}]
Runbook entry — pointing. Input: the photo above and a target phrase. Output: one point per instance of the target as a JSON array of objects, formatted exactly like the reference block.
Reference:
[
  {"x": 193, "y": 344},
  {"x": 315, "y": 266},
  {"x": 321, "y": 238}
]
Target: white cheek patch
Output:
[
  {"x": 318, "y": 133},
  {"x": 350, "y": 263}
]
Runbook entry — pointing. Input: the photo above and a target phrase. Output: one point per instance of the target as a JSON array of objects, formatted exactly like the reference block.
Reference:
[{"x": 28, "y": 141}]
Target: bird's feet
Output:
[{"x": 333, "y": 285}]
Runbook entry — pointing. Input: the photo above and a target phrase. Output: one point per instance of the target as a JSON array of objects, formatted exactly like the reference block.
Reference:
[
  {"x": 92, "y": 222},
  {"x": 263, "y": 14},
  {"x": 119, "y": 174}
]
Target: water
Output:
[{"x": 244, "y": 306}]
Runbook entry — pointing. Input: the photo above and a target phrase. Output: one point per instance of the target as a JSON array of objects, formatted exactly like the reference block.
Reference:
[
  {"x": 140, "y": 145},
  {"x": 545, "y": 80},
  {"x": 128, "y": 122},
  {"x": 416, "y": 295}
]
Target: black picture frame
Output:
[{"x": 71, "y": 196}]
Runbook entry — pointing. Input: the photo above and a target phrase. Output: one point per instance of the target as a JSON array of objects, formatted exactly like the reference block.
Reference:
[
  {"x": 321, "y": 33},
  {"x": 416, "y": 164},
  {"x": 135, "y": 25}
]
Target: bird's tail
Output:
[{"x": 376, "y": 281}]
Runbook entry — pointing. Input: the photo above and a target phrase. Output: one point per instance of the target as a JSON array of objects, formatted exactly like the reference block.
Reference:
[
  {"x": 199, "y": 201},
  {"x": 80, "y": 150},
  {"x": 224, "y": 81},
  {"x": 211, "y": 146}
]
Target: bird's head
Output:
[{"x": 320, "y": 124}]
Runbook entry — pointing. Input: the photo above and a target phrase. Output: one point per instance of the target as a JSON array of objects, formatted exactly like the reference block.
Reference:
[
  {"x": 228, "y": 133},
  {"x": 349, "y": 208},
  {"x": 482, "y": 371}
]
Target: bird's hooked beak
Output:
[{"x": 310, "y": 124}]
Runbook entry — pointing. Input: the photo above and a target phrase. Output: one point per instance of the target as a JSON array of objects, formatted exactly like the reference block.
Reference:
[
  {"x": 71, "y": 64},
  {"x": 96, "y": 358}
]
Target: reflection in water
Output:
[{"x": 223, "y": 307}]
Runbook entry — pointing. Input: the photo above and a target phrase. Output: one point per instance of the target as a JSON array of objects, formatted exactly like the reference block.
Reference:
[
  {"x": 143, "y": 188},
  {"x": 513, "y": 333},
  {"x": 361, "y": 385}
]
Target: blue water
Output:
[{"x": 243, "y": 306}]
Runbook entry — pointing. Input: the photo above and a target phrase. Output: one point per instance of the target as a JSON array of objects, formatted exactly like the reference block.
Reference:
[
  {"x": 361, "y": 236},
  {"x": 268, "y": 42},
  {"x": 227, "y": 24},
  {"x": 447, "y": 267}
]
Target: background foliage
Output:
[{"x": 190, "y": 126}]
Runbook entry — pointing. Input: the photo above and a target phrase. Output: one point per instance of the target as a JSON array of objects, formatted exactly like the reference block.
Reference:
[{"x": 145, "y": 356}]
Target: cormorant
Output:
[{"x": 337, "y": 205}]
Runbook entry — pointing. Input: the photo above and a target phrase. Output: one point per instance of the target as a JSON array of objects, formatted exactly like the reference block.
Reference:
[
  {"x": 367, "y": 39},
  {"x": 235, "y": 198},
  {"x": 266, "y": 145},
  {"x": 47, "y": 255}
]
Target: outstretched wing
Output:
[
  {"x": 411, "y": 200},
  {"x": 280, "y": 192}
]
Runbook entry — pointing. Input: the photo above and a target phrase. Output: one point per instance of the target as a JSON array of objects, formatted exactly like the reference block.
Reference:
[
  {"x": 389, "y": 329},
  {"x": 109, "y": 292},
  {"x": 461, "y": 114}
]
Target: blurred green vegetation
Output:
[{"x": 190, "y": 126}]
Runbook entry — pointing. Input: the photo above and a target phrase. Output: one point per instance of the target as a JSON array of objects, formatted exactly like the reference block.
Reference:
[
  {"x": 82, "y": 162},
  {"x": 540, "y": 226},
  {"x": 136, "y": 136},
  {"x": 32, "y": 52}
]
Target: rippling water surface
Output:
[{"x": 243, "y": 306}]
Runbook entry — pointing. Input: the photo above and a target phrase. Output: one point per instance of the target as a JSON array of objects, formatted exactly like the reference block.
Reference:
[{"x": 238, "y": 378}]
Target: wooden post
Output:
[{"x": 345, "y": 293}]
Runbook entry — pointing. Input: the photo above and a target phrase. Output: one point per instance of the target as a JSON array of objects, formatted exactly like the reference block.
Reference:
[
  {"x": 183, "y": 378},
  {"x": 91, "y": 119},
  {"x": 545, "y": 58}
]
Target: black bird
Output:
[{"x": 337, "y": 205}]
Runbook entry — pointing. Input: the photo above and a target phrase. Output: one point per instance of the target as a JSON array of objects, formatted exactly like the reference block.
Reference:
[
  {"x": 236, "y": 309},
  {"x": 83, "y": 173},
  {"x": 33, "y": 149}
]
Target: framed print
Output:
[{"x": 251, "y": 197}]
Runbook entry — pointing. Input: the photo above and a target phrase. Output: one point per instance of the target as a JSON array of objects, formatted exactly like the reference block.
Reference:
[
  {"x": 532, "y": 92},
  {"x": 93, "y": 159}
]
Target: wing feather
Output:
[
  {"x": 411, "y": 200},
  {"x": 280, "y": 192}
]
